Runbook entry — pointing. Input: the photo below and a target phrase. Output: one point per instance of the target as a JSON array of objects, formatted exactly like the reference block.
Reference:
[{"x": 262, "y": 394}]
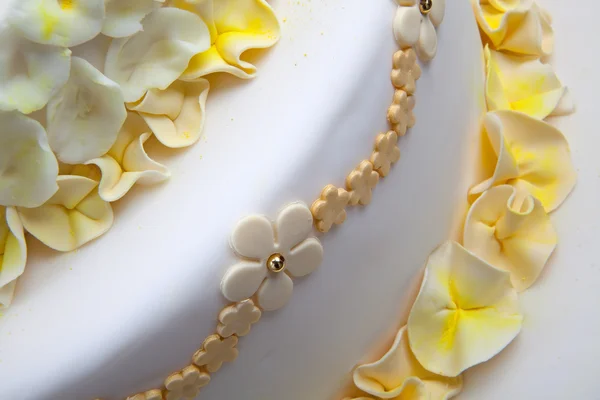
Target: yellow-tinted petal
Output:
[{"x": 13, "y": 253}]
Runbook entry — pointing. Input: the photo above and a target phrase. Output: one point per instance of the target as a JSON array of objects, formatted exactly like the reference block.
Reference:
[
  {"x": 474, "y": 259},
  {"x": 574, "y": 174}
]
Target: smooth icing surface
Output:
[{"x": 153, "y": 285}]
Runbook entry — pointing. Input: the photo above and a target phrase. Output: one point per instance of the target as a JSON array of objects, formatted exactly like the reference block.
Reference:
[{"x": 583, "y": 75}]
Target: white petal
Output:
[
  {"x": 294, "y": 224},
  {"x": 305, "y": 257},
  {"x": 13, "y": 253},
  {"x": 427, "y": 44},
  {"x": 30, "y": 73},
  {"x": 407, "y": 25},
  {"x": 275, "y": 292},
  {"x": 28, "y": 168},
  {"x": 74, "y": 216},
  {"x": 156, "y": 56},
  {"x": 253, "y": 237},
  {"x": 85, "y": 117},
  {"x": 242, "y": 280},
  {"x": 436, "y": 14},
  {"x": 123, "y": 17},
  {"x": 67, "y": 23}
]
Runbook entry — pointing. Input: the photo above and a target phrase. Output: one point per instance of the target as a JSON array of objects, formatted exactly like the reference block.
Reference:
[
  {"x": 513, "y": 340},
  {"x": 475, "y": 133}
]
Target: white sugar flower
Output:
[
  {"x": 43, "y": 71},
  {"x": 124, "y": 17},
  {"x": 85, "y": 117},
  {"x": 28, "y": 168},
  {"x": 157, "y": 55},
  {"x": 13, "y": 253},
  {"x": 415, "y": 23},
  {"x": 273, "y": 253},
  {"x": 62, "y": 23}
]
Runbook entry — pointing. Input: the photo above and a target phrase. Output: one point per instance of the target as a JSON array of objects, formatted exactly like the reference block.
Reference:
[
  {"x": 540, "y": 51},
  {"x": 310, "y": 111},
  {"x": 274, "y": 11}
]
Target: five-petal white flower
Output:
[
  {"x": 413, "y": 28},
  {"x": 257, "y": 239},
  {"x": 85, "y": 117}
]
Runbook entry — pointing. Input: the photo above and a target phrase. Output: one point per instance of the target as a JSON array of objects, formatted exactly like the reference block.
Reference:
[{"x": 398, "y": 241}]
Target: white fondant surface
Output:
[
  {"x": 123, "y": 312},
  {"x": 556, "y": 355}
]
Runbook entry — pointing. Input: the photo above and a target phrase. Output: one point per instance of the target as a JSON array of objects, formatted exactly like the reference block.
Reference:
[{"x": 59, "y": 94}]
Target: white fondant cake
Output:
[{"x": 167, "y": 299}]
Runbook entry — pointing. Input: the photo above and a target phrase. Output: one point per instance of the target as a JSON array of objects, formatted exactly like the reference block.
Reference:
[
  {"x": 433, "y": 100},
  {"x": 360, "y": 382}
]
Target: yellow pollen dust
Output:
[{"x": 66, "y": 4}]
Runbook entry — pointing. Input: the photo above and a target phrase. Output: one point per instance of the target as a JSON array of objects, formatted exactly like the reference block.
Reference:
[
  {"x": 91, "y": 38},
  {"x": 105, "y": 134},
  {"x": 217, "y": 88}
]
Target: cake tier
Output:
[{"x": 122, "y": 313}]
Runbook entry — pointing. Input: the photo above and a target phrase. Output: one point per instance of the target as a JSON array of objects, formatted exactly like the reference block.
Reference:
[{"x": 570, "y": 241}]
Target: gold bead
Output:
[
  {"x": 425, "y": 6},
  {"x": 276, "y": 263}
]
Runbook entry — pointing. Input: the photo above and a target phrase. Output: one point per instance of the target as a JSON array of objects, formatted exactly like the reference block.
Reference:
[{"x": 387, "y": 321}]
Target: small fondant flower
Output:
[
  {"x": 215, "y": 351},
  {"x": 86, "y": 115},
  {"x": 13, "y": 253},
  {"x": 524, "y": 84},
  {"x": 74, "y": 216},
  {"x": 386, "y": 152},
  {"x": 176, "y": 115},
  {"x": 398, "y": 375},
  {"x": 466, "y": 312},
  {"x": 330, "y": 208},
  {"x": 157, "y": 55},
  {"x": 511, "y": 230},
  {"x": 44, "y": 70},
  {"x": 414, "y": 25},
  {"x": 154, "y": 394},
  {"x": 124, "y": 17},
  {"x": 238, "y": 319},
  {"x": 28, "y": 168},
  {"x": 63, "y": 23},
  {"x": 236, "y": 26},
  {"x": 406, "y": 71},
  {"x": 518, "y": 26},
  {"x": 185, "y": 385},
  {"x": 273, "y": 253},
  {"x": 528, "y": 154},
  {"x": 127, "y": 162},
  {"x": 400, "y": 114},
  {"x": 361, "y": 182}
]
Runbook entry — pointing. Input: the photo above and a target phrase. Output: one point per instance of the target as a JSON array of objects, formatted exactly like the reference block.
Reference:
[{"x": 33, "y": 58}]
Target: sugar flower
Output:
[
  {"x": 466, "y": 312},
  {"x": 386, "y": 152},
  {"x": 235, "y": 26},
  {"x": 123, "y": 17},
  {"x": 524, "y": 84},
  {"x": 361, "y": 182},
  {"x": 528, "y": 154},
  {"x": 63, "y": 23},
  {"x": 237, "y": 319},
  {"x": 215, "y": 351},
  {"x": 330, "y": 208},
  {"x": 45, "y": 70},
  {"x": 176, "y": 115},
  {"x": 13, "y": 253},
  {"x": 156, "y": 56},
  {"x": 86, "y": 115},
  {"x": 185, "y": 385},
  {"x": 415, "y": 26},
  {"x": 74, "y": 216},
  {"x": 28, "y": 168},
  {"x": 511, "y": 230},
  {"x": 272, "y": 254},
  {"x": 519, "y": 26},
  {"x": 398, "y": 375},
  {"x": 127, "y": 162}
]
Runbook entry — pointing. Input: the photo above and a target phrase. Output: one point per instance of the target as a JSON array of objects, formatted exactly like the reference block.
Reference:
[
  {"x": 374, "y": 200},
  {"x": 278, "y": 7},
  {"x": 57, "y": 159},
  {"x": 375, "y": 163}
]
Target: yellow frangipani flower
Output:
[{"x": 13, "y": 253}]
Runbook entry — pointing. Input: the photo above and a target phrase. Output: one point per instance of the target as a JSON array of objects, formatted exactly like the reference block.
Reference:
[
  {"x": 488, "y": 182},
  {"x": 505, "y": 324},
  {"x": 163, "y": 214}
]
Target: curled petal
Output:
[
  {"x": 243, "y": 280},
  {"x": 74, "y": 216},
  {"x": 28, "y": 168},
  {"x": 13, "y": 253},
  {"x": 123, "y": 17},
  {"x": 236, "y": 26},
  {"x": 466, "y": 312},
  {"x": 530, "y": 155},
  {"x": 43, "y": 71},
  {"x": 305, "y": 257},
  {"x": 398, "y": 374},
  {"x": 253, "y": 237},
  {"x": 175, "y": 115},
  {"x": 437, "y": 12},
  {"x": 156, "y": 56},
  {"x": 407, "y": 26},
  {"x": 275, "y": 292},
  {"x": 85, "y": 117},
  {"x": 293, "y": 225},
  {"x": 511, "y": 230},
  {"x": 427, "y": 44},
  {"x": 63, "y": 23}
]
